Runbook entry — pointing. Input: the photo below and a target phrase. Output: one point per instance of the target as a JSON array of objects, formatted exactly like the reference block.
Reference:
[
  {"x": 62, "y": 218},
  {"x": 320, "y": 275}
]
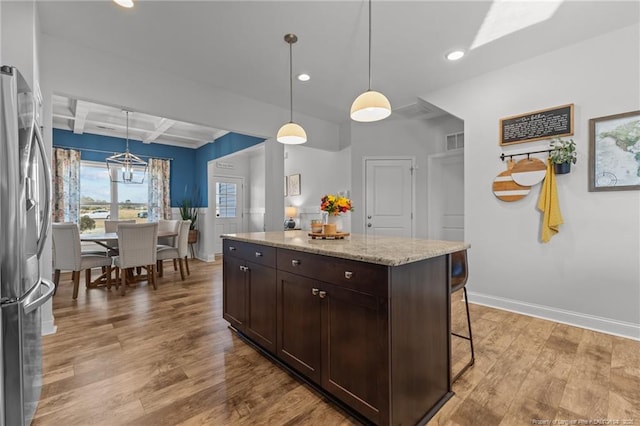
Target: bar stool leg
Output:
[{"x": 469, "y": 338}]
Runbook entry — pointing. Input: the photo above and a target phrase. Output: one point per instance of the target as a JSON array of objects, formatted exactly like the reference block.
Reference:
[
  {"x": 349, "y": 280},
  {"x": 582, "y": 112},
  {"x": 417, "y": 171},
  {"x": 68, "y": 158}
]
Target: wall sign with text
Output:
[{"x": 537, "y": 125}]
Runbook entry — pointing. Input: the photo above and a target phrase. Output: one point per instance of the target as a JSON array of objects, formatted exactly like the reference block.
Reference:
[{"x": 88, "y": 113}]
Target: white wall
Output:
[
  {"x": 321, "y": 172},
  {"x": 398, "y": 136},
  {"x": 589, "y": 274}
]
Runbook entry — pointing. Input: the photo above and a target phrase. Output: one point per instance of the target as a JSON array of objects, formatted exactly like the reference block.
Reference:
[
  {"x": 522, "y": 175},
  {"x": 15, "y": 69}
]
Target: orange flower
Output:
[{"x": 335, "y": 204}]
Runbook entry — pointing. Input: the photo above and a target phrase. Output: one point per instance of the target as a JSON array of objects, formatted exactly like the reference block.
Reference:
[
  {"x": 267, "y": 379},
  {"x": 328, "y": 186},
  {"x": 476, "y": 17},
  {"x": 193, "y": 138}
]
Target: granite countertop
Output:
[{"x": 390, "y": 251}]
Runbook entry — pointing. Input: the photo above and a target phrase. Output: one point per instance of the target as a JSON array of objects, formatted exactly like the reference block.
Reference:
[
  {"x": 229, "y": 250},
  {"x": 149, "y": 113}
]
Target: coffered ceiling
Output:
[
  {"x": 238, "y": 45},
  {"x": 89, "y": 117}
]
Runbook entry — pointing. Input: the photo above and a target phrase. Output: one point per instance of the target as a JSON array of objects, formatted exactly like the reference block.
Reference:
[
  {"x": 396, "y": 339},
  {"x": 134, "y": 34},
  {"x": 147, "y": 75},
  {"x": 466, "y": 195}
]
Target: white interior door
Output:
[
  {"x": 389, "y": 197},
  {"x": 446, "y": 196},
  {"x": 228, "y": 199}
]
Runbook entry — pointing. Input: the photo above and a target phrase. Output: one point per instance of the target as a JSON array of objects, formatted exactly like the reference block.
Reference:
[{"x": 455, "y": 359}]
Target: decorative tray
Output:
[{"x": 336, "y": 236}]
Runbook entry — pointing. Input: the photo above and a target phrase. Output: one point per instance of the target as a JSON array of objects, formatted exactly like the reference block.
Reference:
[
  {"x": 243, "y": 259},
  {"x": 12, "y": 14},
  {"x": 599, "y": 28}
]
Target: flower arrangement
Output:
[{"x": 335, "y": 204}]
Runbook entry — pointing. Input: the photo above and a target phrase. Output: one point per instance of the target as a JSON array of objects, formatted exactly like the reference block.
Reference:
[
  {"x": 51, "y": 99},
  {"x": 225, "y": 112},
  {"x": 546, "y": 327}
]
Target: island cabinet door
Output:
[
  {"x": 260, "y": 322},
  {"x": 299, "y": 317},
  {"x": 354, "y": 350},
  {"x": 234, "y": 291}
]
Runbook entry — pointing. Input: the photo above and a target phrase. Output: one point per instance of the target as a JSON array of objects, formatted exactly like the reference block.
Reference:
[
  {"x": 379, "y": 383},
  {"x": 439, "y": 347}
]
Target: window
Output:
[
  {"x": 226, "y": 199},
  {"x": 100, "y": 199}
]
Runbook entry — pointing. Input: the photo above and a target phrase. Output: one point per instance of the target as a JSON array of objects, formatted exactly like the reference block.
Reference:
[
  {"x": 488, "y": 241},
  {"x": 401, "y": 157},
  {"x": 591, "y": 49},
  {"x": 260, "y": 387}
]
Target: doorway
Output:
[
  {"x": 445, "y": 199},
  {"x": 389, "y": 196},
  {"x": 228, "y": 207}
]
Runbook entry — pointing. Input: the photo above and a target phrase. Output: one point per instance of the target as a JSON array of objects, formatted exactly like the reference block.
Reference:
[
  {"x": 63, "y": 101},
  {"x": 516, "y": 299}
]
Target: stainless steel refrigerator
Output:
[{"x": 25, "y": 203}]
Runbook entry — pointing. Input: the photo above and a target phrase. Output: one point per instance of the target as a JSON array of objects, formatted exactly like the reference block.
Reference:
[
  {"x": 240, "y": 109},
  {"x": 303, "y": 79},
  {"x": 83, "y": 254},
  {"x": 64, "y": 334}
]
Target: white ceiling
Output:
[
  {"x": 88, "y": 117},
  {"x": 238, "y": 45}
]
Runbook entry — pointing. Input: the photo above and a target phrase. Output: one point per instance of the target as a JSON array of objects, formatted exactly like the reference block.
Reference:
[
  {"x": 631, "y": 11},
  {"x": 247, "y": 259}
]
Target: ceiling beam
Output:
[
  {"x": 163, "y": 125},
  {"x": 80, "y": 111}
]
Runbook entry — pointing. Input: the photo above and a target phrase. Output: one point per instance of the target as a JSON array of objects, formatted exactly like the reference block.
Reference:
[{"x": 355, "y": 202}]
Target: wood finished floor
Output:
[{"x": 166, "y": 357}]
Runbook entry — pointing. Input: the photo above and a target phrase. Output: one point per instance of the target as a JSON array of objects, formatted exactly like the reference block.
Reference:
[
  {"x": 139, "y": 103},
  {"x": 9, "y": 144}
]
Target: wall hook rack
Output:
[{"x": 528, "y": 154}]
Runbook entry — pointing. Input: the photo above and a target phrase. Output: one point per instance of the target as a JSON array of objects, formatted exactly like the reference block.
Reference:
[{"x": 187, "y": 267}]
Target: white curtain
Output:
[{"x": 159, "y": 197}]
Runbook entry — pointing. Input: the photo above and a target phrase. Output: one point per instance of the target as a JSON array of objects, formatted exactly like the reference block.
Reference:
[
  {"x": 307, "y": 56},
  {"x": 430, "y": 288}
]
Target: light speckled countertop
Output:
[{"x": 390, "y": 251}]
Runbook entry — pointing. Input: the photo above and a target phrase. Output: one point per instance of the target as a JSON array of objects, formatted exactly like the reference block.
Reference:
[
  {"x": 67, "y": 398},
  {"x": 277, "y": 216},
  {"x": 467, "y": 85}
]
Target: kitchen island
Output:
[{"x": 364, "y": 320}]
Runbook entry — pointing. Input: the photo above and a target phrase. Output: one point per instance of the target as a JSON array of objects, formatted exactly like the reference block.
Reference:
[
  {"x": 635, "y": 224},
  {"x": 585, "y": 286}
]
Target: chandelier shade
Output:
[{"x": 126, "y": 167}]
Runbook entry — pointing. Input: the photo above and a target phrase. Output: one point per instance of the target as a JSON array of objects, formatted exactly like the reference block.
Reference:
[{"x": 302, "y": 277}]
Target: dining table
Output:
[{"x": 109, "y": 240}]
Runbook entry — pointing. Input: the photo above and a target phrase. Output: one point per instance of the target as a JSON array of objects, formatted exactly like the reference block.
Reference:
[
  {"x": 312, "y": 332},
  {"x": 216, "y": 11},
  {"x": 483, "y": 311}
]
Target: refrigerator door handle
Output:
[
  {"x": 35, "y": 304},
  {"x": 46, "y": 220}
]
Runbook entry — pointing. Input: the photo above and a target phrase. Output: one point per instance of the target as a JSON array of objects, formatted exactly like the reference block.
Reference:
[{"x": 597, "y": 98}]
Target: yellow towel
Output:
[{"x": 549, "y": 206}]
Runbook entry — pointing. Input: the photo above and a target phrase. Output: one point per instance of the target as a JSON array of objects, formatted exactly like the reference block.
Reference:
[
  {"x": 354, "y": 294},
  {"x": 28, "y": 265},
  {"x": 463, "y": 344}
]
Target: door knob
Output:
[{"x": 368, "y": 225}]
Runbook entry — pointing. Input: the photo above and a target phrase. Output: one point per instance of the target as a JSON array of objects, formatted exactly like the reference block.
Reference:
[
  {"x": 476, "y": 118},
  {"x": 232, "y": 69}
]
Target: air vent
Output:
[
  {"x": 454, "y": 141},
  {"x": 420, "y": 110}
]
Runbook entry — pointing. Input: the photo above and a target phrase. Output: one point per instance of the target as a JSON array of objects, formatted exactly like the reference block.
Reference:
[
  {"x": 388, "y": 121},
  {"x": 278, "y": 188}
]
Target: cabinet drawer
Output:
[
  {"x": 256, "y": 253},
  {"x": 360, "y": 276}
]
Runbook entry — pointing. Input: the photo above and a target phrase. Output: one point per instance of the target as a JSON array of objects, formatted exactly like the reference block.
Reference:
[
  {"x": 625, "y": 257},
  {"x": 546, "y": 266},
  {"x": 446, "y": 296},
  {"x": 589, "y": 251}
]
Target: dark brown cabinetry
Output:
[
  {"x": 374, "y": 337},
  {"x": 249, "y": 291}
]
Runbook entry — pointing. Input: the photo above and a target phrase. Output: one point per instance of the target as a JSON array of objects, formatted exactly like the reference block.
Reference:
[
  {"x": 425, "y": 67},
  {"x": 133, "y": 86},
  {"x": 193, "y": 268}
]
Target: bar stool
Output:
[{"x": 459, "y": 275}]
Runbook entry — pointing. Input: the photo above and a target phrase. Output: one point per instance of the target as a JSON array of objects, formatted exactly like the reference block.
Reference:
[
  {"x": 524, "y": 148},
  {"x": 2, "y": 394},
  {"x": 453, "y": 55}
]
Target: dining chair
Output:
[
  {"x": 459, "y": 275},
  {"x": 137, "y": 247},
  {"x": 68, "y": 256},
  {"x": 167, "y": 225},
  {"x": 179, "y": 250},
  {"x": 111, "y": 226}
]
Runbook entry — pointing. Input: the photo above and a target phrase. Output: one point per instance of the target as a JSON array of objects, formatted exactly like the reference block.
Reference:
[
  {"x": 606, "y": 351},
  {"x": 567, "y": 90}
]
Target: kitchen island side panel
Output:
[{"x": 419, "y": 339}]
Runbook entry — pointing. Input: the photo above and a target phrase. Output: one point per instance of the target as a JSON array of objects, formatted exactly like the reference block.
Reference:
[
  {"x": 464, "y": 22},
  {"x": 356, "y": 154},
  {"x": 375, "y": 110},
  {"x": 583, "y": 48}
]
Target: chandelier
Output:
[{"x": 126, "y": 167}]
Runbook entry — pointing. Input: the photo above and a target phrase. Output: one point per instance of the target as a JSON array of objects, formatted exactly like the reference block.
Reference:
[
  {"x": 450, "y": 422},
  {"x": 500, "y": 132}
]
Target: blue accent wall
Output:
[{"x": 188, "y": 166}]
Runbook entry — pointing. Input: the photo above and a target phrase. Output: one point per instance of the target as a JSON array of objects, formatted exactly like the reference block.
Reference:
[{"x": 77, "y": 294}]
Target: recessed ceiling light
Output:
[
  {"x": 455, "y": 55},
  {"x": 304, "y": 77},
  {"x": 124, "y": 3}
]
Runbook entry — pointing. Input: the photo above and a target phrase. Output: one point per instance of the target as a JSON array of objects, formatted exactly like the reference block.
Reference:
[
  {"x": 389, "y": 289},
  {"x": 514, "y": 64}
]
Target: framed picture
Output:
[
  {"x": 614, "y": 152},
  {"x": 294, "y": 185},
  {"x": 286, "y": 186}
]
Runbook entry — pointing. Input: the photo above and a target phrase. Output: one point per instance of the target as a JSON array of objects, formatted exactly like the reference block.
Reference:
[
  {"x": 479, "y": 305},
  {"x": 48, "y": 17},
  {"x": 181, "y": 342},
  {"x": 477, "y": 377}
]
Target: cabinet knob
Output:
[
  {"x": 368, "y": 225},
  {"x": 348, "y": 274},
  {"x": 322, "y": 294},
  {"x": 232, "y": 248},
  {"x": 295, "y": 262},
  {"x": 314, "y": 291},
  {"x": 244, "y": 268},
  {"x": 258, "y": 254}
]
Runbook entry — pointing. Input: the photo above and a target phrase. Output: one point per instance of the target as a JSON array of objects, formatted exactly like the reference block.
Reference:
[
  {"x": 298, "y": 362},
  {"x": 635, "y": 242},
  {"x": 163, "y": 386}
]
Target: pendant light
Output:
[
  {"x": 291, "y": 133},
  {"x": 371, "y": 105},
  {"x": 126, "y": 167}
]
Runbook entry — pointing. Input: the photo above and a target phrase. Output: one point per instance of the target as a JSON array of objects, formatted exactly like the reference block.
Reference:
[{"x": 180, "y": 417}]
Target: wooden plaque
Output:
[{"x": 537, "y": 125}]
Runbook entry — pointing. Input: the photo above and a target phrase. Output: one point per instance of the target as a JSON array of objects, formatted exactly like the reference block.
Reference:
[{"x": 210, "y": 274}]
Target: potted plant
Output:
[
  {"x": 562, "y": 155},
  {"x": 188, "y": 211}
]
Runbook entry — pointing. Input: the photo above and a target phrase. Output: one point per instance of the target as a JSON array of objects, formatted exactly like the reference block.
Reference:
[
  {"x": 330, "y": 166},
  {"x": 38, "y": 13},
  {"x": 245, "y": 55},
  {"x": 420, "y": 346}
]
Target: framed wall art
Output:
[
  {"x": 537, "y": 125},
  {"x": 614, "y": 152},
  {"x": 294, "y": 184}
]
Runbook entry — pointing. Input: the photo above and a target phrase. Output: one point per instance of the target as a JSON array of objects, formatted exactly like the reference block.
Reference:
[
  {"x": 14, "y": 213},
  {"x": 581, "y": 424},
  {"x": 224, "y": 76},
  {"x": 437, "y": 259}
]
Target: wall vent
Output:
[{"x": 454, "y": 141}]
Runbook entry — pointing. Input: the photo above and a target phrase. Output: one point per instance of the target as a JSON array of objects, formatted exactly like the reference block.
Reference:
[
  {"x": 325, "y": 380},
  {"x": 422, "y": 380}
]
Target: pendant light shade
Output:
[
  {"x": 126, "y": 167},
  {"x": 370, "y": 105},
  {"x": 291, "y": 133}
]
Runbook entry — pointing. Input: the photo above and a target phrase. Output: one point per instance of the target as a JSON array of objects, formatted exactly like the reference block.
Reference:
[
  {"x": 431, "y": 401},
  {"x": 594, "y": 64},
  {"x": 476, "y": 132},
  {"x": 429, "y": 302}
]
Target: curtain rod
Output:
[{"x": 107, "y": 152}]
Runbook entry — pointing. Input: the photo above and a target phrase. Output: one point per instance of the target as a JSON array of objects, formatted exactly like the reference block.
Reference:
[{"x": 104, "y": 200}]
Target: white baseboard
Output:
[{"x": 590, "y": 322}]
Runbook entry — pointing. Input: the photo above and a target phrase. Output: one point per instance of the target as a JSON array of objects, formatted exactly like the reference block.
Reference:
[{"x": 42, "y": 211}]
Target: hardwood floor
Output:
[{"x": 166, "y": 357}]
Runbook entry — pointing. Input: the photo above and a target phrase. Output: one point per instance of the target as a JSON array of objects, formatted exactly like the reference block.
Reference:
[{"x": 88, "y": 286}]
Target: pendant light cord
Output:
[
  {"x": 369, "y": 45},
  {"x": 127, "y": 131},
  {"x": 291, "y": 82}
]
